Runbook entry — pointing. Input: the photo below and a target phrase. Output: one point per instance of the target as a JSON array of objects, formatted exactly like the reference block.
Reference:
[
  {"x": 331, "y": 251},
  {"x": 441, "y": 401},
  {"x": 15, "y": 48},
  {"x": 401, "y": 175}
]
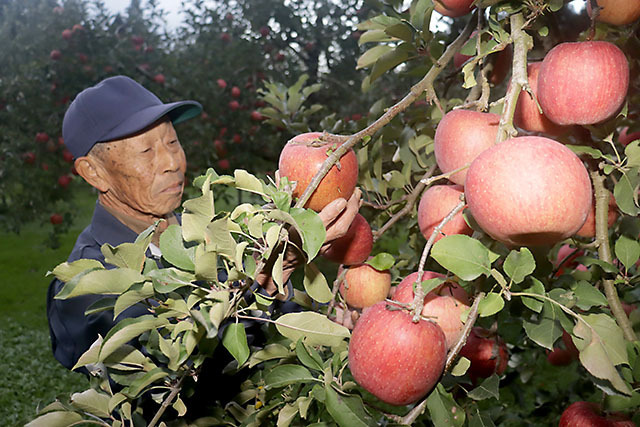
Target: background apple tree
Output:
[{"x": 569, "y": 296}]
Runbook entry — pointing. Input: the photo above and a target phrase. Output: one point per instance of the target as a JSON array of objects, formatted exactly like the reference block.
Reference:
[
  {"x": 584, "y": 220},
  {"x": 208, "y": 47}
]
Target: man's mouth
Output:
[{"x": 175, "y": 188}]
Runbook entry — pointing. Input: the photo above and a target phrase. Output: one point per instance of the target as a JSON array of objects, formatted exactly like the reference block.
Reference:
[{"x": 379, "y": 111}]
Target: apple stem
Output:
[
  {"x": 348, "y": 141},
  {"x": 418, "y": 300},
  {"x": 522, "y": 42},
  {"x": 604, "y": 253},
  {"x": 334, "y": 291}
]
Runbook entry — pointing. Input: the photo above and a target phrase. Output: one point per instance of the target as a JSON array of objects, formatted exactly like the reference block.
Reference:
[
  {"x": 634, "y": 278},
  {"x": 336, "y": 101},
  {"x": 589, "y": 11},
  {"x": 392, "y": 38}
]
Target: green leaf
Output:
[
  {"x": 461, "y": 367},
  {"x": 107, "y": 282},
  {"x": 174, "y": 250},
  {"x": 627, "y": 251},
  {"x": 286, "y": 415},
  {"x": 284, "y": 375},
  {"x": 382, "y": 261},
  {"x": 166, "y": 280},
  {"x": 465, "y": 257},
  {"x": 519, "y": 264},
  {"x": 135, "y": 294},
  {"x": 625, "y": 192},
  {"x": 611, "y": 335},
  {"x": 588, "y": 295},
  {"x": 347, "y": 411},
  {"x": 92, "y": 401},
  {"x": 372, "y": 55},
  {"x": 198, "y": 212},
  {"x": 277, "y": 273},
  {"x": 309, "y": 356},
  {"x": 219, "y": 239},
  {"x": 390, "y": 60},
  {"x": 585, "y": 149},
  {"x": 234, "y": 339},
  {"x": 400, "y": 31},
  {"x": 56, "y": 419},
  {"x": 68, "y": 270},
  {"x": 632, "y": 152},
  {"x": 126, "y": 330},
  {"x": 595, "y": 357},
  {"x": 546, "y": 329},
  {"x": 315, "y": 284},
  {"x": 315, "y": 328},
  {"x": 138, "y": 386},
  {"x": 468, "y": 71},
  {"x": 588, "y": 261},
  {"x": 245, "y": 181},
  {"x": 372, "y": 36},
  {"x": 269, "y": 352},
  {"x": 488, "y": 389},
  {"x": 311, "y": 228},
  {"x": 534, "y": 304},
  {"x": 443, "y": 408},
  {"x": 128, "y": 255},
  {"x": 478, "y": 418},
  {"x": 491, "y": 304}
]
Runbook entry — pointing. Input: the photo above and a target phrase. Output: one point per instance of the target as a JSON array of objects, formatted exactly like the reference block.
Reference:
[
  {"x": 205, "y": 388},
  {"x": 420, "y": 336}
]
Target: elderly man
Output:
[{"x": 124, "y": 144}]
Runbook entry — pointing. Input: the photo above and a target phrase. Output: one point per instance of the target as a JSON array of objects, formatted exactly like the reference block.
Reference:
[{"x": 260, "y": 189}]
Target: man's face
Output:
[{"x": 146, "y": 171}]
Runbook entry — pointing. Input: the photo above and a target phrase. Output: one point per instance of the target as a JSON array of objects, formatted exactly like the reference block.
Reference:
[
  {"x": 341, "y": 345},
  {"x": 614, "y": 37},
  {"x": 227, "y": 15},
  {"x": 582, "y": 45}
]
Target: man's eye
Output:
[{"x": 147, "y": 150}]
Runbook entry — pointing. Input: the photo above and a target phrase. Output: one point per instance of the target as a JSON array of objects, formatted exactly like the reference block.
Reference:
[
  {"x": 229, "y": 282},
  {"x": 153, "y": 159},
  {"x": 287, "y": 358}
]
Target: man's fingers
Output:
[
  {"x": 341, "y": 223},
  {"x": 330, "y": 212}
]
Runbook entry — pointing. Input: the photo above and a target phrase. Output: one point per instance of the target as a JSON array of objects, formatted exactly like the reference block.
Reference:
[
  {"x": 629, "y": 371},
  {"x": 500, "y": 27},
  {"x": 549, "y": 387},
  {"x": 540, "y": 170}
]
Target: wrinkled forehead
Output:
[{"x": 158, "y": 131}]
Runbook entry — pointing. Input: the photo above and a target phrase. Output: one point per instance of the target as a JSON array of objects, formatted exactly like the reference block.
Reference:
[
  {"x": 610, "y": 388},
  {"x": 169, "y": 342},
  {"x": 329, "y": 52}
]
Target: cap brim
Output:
[{"x": 177, "y": 112}]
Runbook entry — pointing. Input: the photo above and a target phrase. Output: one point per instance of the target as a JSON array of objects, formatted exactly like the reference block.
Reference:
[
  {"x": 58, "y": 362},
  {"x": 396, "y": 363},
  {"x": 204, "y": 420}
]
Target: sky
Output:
[{"x": 171, "y": 8}]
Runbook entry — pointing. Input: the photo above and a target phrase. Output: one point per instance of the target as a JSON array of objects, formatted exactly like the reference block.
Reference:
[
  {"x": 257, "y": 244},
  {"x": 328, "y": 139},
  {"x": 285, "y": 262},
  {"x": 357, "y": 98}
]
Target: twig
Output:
[
  {"x": 418, "y": 301},
  {"x": 175, "y": 389},
  {"x": 334, "y": 291},
  {"x": 348, "y": 141},
  {"x": 471, "y": 320},
  {"x": 604, "y": 253}
]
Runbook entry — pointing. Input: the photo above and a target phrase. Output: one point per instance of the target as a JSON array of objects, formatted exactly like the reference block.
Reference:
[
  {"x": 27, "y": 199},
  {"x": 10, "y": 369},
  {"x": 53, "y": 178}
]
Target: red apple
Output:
[
  {"x": 280, "y": 57},
  {"x": 237, "y": 139},
  {"x": 364, "y": 286},
  {"x": 460, "y": 136},
  {"x": 234, "y": 105},
  {"x": 64, "y": 181},
  {"x": 29, "y": 157},
  {"x": 264, "y": 31},
  {"x": 393, "y": 358},
  {"x": 55, "y": 54},
  {"x": 443, "y": 305},
  {"x": 42, "y": 137},
  {"x": 566, "y": 259},
  {"x": 221, "y": 83},
  {"x": 355, "y": 246},
  {"x": 256, "y": 116},
  {"x": 82, "y": 58},
  {"x": 67, "y": 156},
  {"x": 159, "y": 78},
  {"x": 56, "y": 219},
  {"x": 235, "y": 92},
  {"x": 589, "y": 227},
  {"x": 77, "y": 27},
  {"x": 44, "y": 166},
  {"x": 137, "y": 40},
  {"x": 528, "y": 191},
  {"x": 628, "y": 308},
  {"x": 225, "y": 37},
  {"x": 589, "y": 414},
  {"x": 221, "y": 150},
  {"x": 303, "y": 156},
  {"x": 563, "y": 356},
  {"x": 583, "y": 83},
  {"x": 527, "y": 115},
  {"x": 626, "y": 138},
  {"x": 453, "y": 8},
  {"x": 616, "y": 12},
  {"x": 502, "y": 61},
  {"x": 435, "y": 204},
  {"x": 66, "y": 34},
  {"x": 487, "y": 353},
  {"x": 223, "y": 164}
]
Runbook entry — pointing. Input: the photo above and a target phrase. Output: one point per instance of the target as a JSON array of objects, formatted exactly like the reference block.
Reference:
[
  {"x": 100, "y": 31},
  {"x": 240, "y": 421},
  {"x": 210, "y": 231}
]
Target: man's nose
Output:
[{"x": 170, "y": 157}]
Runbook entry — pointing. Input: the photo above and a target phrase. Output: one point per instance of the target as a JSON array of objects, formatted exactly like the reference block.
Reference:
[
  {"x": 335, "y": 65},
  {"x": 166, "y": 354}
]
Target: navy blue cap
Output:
[{"x": 115, "y": 108}]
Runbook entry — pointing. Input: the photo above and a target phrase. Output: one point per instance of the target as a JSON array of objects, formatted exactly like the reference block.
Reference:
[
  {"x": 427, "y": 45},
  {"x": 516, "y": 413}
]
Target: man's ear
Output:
[{"x": 90, "y": 168}]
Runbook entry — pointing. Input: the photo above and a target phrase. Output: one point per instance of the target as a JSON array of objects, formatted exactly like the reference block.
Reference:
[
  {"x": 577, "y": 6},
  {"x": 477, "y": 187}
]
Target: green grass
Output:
[{"x": 30, "y": 376}]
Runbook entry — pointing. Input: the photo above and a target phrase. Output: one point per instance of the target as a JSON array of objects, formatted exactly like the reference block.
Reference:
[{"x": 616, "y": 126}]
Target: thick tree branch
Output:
[{"x": 604, "y": 253}]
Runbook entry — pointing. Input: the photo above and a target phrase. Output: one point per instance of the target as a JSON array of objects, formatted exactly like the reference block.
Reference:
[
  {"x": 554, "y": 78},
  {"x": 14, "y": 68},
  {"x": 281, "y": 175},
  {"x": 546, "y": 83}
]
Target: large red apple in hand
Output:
[
  {"x": 303, "y": 156},
  {"x": 589, "y": 414},
  {"x": 444, "y": 305},
  {"x": 583, "y": 83},
  {"x": 527, "y": 115},
  {"x": 616, "y": 12},
  {"x": 528, "y": 191},
  {"x": 396, "y": 360},
  {"x": 436, "y": 203},
  {"x": 487, "y": 353},
  {"x": 460, "y": 137},
  {"x": 364, "y": 286},
  {"x": 355, "y": 246}
]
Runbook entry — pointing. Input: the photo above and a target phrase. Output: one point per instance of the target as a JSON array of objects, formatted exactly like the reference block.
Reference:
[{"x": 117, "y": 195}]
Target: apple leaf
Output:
[
  {"x": 68, "y": 270},
  {"x": 468, "y": 72},
  {"x": 443, "y": 408},
  {"x": 56, "y": 419},
  {"x": 461, "y": 367},
  {"x": 314, "y": 327},
  {"x": 234, "y": 339},
  {"x": 107, "y": 282},
  {"x": 585, "y": 149},
  {"x": 606, "y": 266},
  {"x": 625, "y": 192},
  {"x": 491, "y": 304},
  {"x": 382, "y": 261},
  {"x": 286, "y": 415},
  {"x": 174, "y": 250},
  {"x": 391, "y": 59},
  {"x": 284, "y": 375},
  {"x": 519, "y": 264},
  {"x": 198, "y": 212},
  {"x": 347, "y": 411},
  {"x": 546, "y": 329},
  {"x": 479, "y": 418},
  {"x": 627, "y": 251},
  {"x": 488, "y": 389},
  {"x": 92, "y": 401},
  {"x": 126, "y": 330},
  {"x": 309, "y": 356},
  {"x": 372, "y": 55},
  {"x": 311, "y": 229},
  {"x": 316, "y": 284},
  {"x": 534, "y": 303},
  {"x": 464, "y": 256},
  {"x": 269, "y": 352},
  {"x": 632, "y": 151},
  {"x": 400, "y": 31},
  {"x": 247, "y": 182},
  {"x": 595, "y": 357},
  {"x": 588, "y": 295}
]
